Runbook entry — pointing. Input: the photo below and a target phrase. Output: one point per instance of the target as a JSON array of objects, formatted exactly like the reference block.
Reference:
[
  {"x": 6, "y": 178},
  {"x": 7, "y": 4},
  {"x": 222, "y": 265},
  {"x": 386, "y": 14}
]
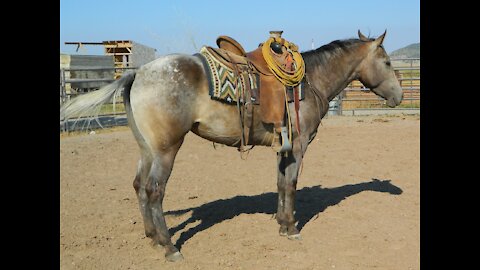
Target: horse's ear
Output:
[
  {"x": 380, "y": 39},
  {"x": 361, "y": 36}
]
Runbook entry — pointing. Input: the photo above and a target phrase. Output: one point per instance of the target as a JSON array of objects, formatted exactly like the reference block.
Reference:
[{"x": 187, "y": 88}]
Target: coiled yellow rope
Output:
[{"x": 287, "y": 78}]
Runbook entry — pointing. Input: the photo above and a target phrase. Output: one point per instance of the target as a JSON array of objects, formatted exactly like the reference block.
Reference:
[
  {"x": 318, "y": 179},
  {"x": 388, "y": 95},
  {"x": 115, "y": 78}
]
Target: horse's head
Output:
[{"x": 376, "y": 71}]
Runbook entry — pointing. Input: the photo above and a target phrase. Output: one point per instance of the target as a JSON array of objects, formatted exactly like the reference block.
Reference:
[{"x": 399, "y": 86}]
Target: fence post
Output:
[
  {"x": 62, "y": 87},
  {"x": 63, "y": 95},
  {"x": 340, "y": 101},
  {"x": 411, "y": 83}
]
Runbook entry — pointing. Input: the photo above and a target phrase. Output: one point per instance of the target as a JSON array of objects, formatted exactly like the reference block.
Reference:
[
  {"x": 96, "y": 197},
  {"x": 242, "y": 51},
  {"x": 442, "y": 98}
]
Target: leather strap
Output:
[
  {"x": 296, "y": 101},
  {"x": 239, "y": 107},
  {"x": 247, "y": 106},
  {"x": 246, "y": 110}
]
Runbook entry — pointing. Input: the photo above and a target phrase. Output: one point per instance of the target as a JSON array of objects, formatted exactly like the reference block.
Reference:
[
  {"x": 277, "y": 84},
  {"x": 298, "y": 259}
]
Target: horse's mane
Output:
[{"x": 320, "y": 55}]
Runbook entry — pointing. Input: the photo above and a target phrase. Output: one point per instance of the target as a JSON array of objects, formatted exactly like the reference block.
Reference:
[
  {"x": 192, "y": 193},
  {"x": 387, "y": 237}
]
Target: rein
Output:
[
  {"x": 317, "y": 93},
  {"x": 317, "y": 96}
]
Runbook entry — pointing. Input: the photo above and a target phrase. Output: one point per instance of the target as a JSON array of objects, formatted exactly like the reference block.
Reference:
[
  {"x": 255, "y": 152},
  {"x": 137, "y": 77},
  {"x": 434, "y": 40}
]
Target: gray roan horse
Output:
[{"x": 168, "y": 97}]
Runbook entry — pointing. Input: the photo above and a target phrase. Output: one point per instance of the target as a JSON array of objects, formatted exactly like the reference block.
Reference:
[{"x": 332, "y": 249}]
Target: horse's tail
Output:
[{"x": 89, "y": 105}]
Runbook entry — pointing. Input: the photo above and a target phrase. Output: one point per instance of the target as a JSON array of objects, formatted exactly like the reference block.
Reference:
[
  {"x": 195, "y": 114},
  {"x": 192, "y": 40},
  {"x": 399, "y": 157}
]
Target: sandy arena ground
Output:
[{"x": 358, "y": 202}]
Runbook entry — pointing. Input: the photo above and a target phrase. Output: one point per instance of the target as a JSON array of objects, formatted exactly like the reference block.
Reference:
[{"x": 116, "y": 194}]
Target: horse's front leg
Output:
[
  {"x": 281, "y": 185},
  {"x": 288, "y": 167}
]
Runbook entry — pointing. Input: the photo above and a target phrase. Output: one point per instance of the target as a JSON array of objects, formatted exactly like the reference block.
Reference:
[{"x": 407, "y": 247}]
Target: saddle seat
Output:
[
  {"x": 232, "y": 59},
  {"x": 271, "y": 90},
  {"x": 229, "y": 44}
]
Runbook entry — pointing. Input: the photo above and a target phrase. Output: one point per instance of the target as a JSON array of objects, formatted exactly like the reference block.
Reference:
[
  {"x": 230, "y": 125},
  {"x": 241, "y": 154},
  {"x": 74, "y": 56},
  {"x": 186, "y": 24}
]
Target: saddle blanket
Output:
[
  {"x": 223, "y": 83},
  {"x": 225, "y": 86}
]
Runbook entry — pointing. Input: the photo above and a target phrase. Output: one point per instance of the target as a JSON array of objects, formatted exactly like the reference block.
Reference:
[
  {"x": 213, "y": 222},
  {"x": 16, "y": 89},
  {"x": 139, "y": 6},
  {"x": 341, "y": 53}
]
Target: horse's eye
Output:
[{"x": 388, "y": 63}]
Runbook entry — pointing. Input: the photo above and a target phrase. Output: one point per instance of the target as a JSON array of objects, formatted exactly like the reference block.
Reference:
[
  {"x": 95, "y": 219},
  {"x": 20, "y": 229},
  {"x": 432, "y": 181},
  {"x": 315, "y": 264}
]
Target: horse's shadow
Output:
[{"x": 310, "y": 201}]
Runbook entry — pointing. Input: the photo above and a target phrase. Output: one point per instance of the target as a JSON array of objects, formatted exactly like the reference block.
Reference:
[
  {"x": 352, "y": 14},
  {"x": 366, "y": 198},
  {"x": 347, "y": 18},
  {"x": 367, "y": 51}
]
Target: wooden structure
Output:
[
  {"x": 82, "y": 73},
  {"x": 126, "y": 53}
]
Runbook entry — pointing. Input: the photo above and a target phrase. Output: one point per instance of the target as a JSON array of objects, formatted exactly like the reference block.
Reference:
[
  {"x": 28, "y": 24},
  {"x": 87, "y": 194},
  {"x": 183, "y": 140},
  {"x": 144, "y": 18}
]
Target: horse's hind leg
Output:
[
  {"x": 143, "y": 168},
  {"x": 162, "y": 164}
]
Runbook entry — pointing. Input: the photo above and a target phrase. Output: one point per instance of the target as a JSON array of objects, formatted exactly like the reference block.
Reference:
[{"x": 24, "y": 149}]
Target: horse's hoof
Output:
[
  {"x": 295, "y": 237},
  {"x": 283, "y": 231},
  {"x": 174, "y": 257},
  {"x": 150, "y": 234}
]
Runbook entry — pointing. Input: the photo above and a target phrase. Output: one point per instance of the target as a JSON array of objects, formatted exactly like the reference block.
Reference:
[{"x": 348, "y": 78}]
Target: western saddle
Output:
[{"x": 285, "y": 68}]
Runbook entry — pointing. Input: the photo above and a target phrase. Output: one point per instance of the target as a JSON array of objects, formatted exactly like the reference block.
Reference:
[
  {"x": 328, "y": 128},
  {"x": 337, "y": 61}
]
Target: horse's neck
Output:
[
  {"x": 324, "y": 82},
  {"x": 335, "y": 74}
]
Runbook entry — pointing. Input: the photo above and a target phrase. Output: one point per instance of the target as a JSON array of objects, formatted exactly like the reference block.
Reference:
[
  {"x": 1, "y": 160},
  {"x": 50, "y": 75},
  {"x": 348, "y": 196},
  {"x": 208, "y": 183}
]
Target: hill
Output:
[{"x": 410, "y": 51}]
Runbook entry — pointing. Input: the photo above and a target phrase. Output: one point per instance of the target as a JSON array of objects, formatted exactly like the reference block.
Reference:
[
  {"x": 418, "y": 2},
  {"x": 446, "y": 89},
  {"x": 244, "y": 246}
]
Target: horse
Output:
[{"x": 168, "y": 97}]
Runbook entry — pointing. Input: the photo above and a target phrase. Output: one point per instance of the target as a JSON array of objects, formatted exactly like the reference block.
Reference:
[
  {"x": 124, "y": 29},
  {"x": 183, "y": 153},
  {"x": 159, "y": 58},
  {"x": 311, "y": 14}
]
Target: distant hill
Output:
[{"x": 410, "y": 51}]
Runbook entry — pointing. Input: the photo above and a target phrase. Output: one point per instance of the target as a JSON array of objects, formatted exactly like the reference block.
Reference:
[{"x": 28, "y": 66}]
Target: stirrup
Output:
[{"x": 286, "y": 145}]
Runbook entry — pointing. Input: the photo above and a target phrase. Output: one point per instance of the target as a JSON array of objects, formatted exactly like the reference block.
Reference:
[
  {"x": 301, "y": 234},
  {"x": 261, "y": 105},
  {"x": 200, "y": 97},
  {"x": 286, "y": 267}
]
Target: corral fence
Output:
[
  {"x": 354, "y": 100},
  {"x": 357, "y": 99},
  {"x": 76, "y": 81},
  {"x": 72, "y": 87}
]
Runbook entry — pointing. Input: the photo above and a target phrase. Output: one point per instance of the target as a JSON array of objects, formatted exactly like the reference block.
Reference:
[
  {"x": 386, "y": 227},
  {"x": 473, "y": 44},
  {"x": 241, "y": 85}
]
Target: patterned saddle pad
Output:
[{"x": 226, "y": 87}]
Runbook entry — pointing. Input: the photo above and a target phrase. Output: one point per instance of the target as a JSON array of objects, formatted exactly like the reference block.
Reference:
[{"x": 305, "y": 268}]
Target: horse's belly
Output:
[
  {"x": 216, "y": 132},
  {"x": 220, "y": 123},
  {"x": 229, "y": 133}
]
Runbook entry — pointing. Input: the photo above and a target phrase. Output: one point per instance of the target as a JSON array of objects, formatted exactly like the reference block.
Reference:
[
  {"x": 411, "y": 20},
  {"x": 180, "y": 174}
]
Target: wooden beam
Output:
[
  {"x": 118, "y": 45},
  {"x": 83, "y": 43},
  {"x": 117, "y": 53}
]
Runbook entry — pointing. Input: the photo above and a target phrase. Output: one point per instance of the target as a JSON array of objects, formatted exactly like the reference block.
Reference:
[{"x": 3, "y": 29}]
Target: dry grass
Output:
[
  {"x": 108, "y": 108},
  {"x": 370, "y": 104},
  {"x": 97, "y": 131}
]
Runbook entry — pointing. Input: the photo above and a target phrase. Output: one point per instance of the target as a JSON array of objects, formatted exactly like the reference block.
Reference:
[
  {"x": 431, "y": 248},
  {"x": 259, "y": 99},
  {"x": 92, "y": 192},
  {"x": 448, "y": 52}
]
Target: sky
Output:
[{"x": 176, "y": 26}]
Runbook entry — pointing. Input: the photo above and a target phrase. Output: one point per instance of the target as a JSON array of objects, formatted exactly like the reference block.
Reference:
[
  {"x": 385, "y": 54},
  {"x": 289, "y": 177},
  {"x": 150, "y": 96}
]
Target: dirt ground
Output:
[{"x": 358, "y": 202}]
